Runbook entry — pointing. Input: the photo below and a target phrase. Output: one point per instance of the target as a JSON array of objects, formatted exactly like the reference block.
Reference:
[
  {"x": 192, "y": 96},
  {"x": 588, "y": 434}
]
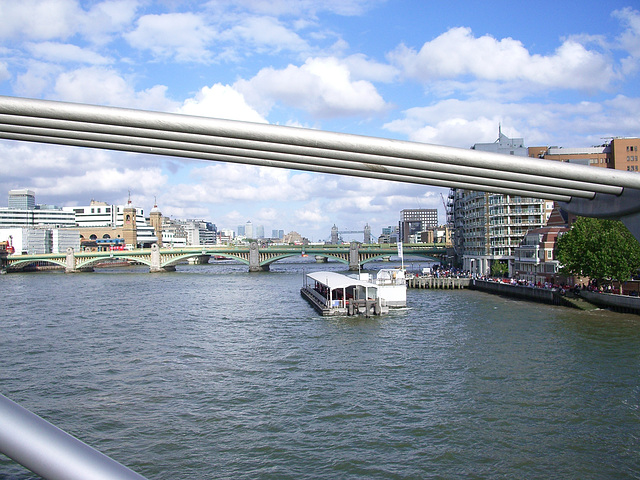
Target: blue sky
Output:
[{"x": 447, "y": 73}]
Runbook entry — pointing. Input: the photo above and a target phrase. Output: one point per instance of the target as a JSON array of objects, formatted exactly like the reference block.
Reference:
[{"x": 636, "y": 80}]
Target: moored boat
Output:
[
  {"x": 332, "y": 293},
  {"x": 392, "y": 285}
]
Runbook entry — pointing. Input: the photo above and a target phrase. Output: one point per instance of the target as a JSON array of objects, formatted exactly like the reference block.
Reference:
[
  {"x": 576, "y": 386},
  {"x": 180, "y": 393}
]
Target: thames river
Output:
[{"x": 212, "y": 372}]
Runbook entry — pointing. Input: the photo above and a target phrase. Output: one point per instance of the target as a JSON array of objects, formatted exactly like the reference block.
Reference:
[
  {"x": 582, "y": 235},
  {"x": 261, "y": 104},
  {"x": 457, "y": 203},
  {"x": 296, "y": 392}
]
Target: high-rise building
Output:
[
  {"x": 415, "y": 221},
  {"x": 389, "y": 234},
  {"x": 489, "y": 226},
  {"x": 22, "y": 199},
  {"x": 23, "y": 212}
]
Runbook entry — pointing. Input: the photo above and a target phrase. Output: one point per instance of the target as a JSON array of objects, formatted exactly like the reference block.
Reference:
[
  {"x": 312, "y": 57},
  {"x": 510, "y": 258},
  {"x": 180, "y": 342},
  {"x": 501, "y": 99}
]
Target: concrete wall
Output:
[
  {"x": 528, "y": 293},
  {"x": 619, "y": 303}
]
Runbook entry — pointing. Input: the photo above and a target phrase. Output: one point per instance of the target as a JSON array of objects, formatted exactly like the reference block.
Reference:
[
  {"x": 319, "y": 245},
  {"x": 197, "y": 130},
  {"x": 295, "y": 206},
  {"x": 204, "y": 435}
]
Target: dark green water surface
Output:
[{"x": 213, "y": 372}]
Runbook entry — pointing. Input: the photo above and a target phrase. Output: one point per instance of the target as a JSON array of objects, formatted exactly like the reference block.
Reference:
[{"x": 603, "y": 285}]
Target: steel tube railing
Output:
[
  {"x": 275, "y": 134},
  {"x": 197, "y": 142},
  {"x": 50, "y": 452},
  {"x": 288, "y": 165},
  {"x": 581, "y": 190}
]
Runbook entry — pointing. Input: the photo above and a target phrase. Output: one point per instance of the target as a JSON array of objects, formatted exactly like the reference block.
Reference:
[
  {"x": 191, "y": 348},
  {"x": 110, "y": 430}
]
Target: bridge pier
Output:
[
  {"x": 70, "y": 263},
  {"x": 156, "y": 264},
  {"x": 354, "y": 258},
  {"x": 254, "y": 259}
]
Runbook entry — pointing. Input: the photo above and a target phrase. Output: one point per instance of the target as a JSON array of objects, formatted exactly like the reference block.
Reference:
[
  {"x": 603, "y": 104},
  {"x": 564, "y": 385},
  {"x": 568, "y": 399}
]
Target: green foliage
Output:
[
  {"x": 499, "y": 269},
  {"x": 599, "y": 248}
]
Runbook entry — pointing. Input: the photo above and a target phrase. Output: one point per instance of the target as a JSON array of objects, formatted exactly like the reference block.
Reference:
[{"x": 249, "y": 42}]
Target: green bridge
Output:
[{"x": 257, "y": 257}]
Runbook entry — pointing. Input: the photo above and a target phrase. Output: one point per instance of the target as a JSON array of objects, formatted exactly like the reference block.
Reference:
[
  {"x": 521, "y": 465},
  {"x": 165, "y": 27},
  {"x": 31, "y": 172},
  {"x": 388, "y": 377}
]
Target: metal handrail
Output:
[{"x": 51, "y": 452}]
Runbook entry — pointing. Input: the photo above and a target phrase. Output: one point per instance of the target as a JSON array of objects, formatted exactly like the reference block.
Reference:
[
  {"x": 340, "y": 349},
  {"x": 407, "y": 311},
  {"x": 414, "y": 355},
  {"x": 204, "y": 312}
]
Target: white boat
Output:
[
  {"x": 392, "y": 285},
  {"x": 332, "y": 293}
]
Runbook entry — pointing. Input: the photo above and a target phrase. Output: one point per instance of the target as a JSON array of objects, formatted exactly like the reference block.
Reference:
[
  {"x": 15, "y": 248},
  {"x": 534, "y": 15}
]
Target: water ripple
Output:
[{"x": 212, "y": 372}]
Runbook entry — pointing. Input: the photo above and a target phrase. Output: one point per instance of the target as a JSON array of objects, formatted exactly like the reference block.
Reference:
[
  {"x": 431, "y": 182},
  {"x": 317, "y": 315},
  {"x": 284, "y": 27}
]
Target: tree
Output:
[
  {"x": 499, "y": 269},
  {"x": 599, "y": 248}
]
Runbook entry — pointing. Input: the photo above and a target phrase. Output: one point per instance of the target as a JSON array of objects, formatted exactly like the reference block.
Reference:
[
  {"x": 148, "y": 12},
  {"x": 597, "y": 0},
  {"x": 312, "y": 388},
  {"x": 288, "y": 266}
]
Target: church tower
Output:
[
  {"x": 155, "y": 218},
  {"x": 129, "y": 228}
]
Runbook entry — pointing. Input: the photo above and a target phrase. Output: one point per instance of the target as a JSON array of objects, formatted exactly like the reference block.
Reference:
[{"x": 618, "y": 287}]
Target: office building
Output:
[
  {"x": 619, "y": 154},
  {"x": 104, "y": 221},
  {"x": 23, "y": 212},
  {"x": 415, "y": 221},
  {"x": 389, "y": 234},
  {"x": 35, "y": 241},
  {"x": 22, "y": 199}
]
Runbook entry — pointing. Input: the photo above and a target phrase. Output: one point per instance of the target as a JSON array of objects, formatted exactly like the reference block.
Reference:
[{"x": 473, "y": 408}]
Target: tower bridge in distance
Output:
[
  {"x": 255, "y": 257},
  {"x": 335, "y": 234}
]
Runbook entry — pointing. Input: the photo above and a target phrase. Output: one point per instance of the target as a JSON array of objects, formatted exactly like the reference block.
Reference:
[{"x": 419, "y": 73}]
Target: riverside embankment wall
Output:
[
  {"x": 619, "y": 303},
  {"x": 541, "y": 295}
]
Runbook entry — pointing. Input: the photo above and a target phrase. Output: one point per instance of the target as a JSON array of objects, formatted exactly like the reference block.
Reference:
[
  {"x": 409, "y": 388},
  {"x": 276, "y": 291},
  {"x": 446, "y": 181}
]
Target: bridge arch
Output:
[{"x": 21, "y": 264}]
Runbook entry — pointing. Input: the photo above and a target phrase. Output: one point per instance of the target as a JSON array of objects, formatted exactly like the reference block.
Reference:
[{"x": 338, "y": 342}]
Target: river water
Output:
[{"x": 214, "y": 372}]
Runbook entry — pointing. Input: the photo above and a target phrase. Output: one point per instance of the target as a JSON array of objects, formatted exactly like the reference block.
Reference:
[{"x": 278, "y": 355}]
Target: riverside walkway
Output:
[{"x": 257, "y": 257}]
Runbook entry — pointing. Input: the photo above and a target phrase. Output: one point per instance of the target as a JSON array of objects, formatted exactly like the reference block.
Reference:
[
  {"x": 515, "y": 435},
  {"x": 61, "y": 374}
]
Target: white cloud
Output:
[
  {"x": 309, "y": 8},
  {"x": 221, "y": 101},
  {"x": 103, "y": 182},
  {"x": 363, "y": 68},
  {"x": 265, "y": 34},
  {"x": 99, "y": 85},
  {"x": 39, "y": 19},
  {"x": 182, "y": 36},
  {"x": 65, "y": 52},
  {"x": 36, "y": 79},
  {"x": 322, "y": 86},
  {"x": 457, "y": 53},
  {"x": 460, "y": 123},
  {"x": 247, "y": 183},
  {"x": 62, "y": 19},
  {"x": 108, "y": 18},
  {"x": 629, "y": 40},
  {"x": 4, "y": 72},
  {"x": 59, "y": 174}
]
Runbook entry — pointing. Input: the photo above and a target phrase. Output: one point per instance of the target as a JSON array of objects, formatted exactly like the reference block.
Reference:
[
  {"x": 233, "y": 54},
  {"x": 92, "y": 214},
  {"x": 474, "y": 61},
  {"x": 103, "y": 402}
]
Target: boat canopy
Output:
[{"x": 336, "y": 280}]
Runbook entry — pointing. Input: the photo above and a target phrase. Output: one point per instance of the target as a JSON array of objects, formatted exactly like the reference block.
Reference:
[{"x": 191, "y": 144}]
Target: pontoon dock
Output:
[{"x": 332, "y": 293}]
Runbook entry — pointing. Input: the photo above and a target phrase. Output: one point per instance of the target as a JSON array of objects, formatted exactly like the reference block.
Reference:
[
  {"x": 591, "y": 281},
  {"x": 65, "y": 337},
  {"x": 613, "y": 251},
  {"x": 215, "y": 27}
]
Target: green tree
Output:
[
  {"x": 599, "y": 248},
  {"x": 499, "y": 269}
]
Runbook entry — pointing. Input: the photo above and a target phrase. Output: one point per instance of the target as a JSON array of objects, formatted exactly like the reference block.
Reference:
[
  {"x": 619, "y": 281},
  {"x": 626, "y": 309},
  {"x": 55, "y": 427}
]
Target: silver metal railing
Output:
[
  {"x": 302, "y": 149},
  {"x": 50, "y": 452}
]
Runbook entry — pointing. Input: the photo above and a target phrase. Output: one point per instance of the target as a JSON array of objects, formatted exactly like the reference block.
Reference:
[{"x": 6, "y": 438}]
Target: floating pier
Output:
[{"x": 449, "y": 283}]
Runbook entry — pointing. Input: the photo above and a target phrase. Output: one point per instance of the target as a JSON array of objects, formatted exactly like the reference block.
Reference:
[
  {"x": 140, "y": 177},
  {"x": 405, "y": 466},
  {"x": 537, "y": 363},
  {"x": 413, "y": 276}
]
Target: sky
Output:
[{"x": 447, "y": 73}]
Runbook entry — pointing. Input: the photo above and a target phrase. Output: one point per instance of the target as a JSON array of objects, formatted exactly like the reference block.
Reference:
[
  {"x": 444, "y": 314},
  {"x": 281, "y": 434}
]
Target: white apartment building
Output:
[
  {"x": 13, "y": 217},
  {"x": 488, "y": 226}
]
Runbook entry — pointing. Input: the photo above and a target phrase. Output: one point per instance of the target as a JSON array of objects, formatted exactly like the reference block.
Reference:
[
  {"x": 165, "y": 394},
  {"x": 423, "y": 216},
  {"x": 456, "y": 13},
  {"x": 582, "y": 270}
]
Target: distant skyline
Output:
[{"x": 553, "y": 73}]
